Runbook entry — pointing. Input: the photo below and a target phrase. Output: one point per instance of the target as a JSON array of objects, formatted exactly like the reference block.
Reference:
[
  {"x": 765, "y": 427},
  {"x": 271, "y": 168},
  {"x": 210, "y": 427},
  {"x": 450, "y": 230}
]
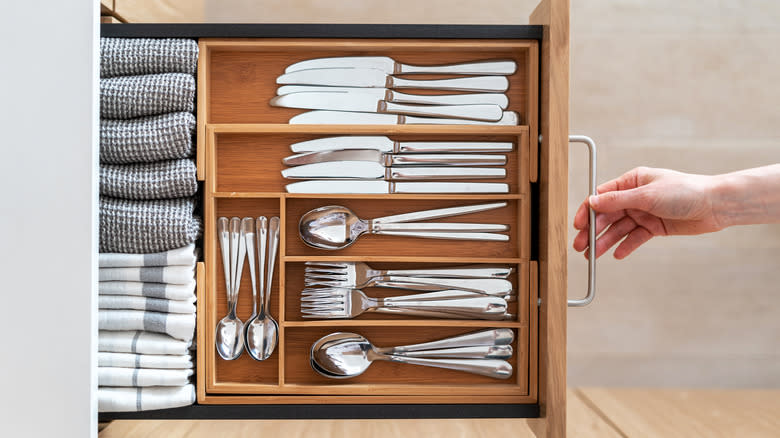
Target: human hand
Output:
[{"x": 647, "y": 202}]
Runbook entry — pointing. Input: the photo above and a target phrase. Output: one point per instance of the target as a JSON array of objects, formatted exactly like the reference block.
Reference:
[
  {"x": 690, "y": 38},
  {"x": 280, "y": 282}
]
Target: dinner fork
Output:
[{"x": 349, "y": 303}]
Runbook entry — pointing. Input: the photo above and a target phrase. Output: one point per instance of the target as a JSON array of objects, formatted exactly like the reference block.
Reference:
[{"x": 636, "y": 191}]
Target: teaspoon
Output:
[
  {"x": 254, "y": 328},
  {"x": 229, "y": 337},
  {"x": 269, "y": 333}
]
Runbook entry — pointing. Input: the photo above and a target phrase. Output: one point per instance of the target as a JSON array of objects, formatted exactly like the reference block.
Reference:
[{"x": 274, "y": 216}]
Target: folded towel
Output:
[
  {"x": 151, "y": 290},
  {"x": 159, "y": 180},
  {"x": 141, "y": 343},
  {"x": 142, "y": 303},
  {"x": 184, "y": 256},
  {"x": 110, "y": 376},
  {"x": 130, "y": 360},
  {"x": 147, "y": 226},
  {"x": 147, "y": 139},
  {"x": 149, "y": 274},
  {"x": 112, "y": 399},
  {"x": 179, "y": 325},
  {"x": 127, "y": 97},
  {"x": 142, "y": 56}
]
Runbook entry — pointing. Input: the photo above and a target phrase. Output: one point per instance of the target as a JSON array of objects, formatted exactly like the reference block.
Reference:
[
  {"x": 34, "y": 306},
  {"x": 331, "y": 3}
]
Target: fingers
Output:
[
  {"x": 621, "y": 200},
  {"x": 614, "y": 234},
  {"x": 603, "y": 220},
  {"x": 636, "y": 238}
]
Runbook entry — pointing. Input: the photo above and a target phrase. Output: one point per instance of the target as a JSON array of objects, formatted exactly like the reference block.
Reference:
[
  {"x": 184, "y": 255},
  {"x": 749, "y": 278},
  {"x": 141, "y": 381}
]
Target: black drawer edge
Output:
[
  {"x": 284, "y": 30},
  {"x": 324, "y": 412}
]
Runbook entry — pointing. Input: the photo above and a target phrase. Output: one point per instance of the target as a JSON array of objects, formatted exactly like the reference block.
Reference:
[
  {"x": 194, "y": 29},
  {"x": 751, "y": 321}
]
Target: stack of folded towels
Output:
[{"x": 148, "y": 224}]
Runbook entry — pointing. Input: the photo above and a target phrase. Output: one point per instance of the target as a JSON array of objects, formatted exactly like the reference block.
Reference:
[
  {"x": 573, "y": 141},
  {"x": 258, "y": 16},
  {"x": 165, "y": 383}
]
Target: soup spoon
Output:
[{"x": 229, "y": 337}]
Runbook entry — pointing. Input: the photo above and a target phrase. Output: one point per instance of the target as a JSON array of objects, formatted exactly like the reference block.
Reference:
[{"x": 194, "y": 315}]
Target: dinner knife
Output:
[
  {"x": 384, "y": 144},
  {"x": 380, "y": 187},
  {"x": 386, "y": 159},
  {"x": 369, "y": 77},
  {"x": 372, "y": 170},
  {"x": 499, "y": 99},
  {"x": 391, "y": 66},
  {"x": 322, "y": 117}
]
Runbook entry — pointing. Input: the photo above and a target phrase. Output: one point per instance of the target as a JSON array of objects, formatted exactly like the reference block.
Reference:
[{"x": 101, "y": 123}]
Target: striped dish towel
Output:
[
  {"x": 111, "y": 376},
  {"x": 127, "y": 97},
  {"x": 149, "y": 274},
  {"x": 113, "y": 399},
  {"x": 147, "y": 139},
  {"x": 141, "y": 342},
  {"x": 148, "y": 304},
  {"x": 141, "y": 56},
  {"x": 150, "y": 290},
  {"x": 130, "y": 360},
  {"x": 178, "y": 325},
  {"x": 184, "y": 256},
  {"x": 159, "y": 180}
]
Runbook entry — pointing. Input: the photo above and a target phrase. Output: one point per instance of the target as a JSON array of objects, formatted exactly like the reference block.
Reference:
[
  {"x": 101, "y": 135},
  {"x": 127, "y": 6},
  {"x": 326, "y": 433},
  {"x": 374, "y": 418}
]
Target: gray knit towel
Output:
[
  {"x": 118, "y": 399},
  {"x": 127, "y": 97},
  {"x": 159, "y": 180},
  {"x": 147, "y": 226},
  {"x": 147, "y": 139},
  {"x": 144, "y": 56}
]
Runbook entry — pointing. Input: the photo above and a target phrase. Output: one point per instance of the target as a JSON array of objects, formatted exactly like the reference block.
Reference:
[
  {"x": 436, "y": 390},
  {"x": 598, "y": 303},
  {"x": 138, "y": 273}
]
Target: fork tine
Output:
[
  {"x": 339, "y": 309},
  {"x": 321, "y": 303},
  {"x": 325, "y": 271},
  {"x": 308, "y": 283},
  {"x": 342, "y": 265},
  {"x": 325, "y": 277},
  {"x": 326, "y": 316}
]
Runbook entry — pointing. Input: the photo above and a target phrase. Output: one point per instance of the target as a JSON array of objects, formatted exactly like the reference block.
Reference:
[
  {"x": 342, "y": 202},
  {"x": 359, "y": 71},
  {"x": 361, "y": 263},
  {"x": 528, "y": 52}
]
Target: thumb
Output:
[{"x": 620, "y": 200}]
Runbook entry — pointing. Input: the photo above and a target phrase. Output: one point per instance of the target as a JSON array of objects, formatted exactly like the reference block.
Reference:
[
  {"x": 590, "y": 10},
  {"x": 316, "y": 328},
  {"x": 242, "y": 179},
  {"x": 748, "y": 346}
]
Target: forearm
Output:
[{"x": 747, "y": 197}]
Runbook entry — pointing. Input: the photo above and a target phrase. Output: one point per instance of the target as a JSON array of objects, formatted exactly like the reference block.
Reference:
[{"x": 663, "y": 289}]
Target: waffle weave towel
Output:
[
  {"x": 131, "y": 360},
  {"x": 132, "y": 226},
  {"x": 178, "y": 325},
  {"x": 184, "y": 256},
  {"x": 147, "y": 139},
  {"x": 113, "y": 399},
  {"x": 143, "y": 56},
  {"x": 127, "y": 97},
  {"x": 159, "y": 180},
  {"x": 141, "y": 342}
]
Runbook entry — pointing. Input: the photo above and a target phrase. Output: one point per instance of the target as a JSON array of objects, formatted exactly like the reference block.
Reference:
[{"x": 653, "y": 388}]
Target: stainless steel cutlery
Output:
[
  {"x": 359, "y": 273},
  {"x": 373, "y": 78},
  {"x": 395, "y": 96},
  {"x": 374, "y": 170},
  {"x": 324, "y": 117},
  {"x": 388, "y": 160},
  {"x": 386, "y": 187},
  {"x": 391, "y": 66},
  {"x": 386, "y": 145}
]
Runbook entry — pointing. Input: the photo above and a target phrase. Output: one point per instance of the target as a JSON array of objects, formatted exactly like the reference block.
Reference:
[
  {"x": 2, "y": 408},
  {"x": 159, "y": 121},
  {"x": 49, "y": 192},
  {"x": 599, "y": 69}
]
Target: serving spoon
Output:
[{"x": 229, "y": 337}]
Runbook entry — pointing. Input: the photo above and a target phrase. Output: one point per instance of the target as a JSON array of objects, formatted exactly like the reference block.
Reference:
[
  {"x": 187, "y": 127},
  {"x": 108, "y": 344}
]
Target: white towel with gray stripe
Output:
[
  {"x": 141, "y": 342},
  {"x": 112, "y": 376},
  {"x": 147, "y": 139},
  {"x": 144, "y": 303},
  {"x": 131, "y": 360},
  {"x": 127, "y": 97},
  {"x": 184, "y": 256},
  {"x": 113, "y": 399},
  {"x": 158, "y": 180},
  {"x": 150, "y": 290},
  {"x": 141, "y": 56},
  {"x": 179, "y": 325},
  {"x": 149, "y": 274}
]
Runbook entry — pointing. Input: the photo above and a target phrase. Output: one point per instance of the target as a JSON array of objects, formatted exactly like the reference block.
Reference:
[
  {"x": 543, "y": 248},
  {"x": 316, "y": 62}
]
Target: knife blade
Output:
[
  {"x": 395, "y": 160},
  {"x": 382, "y": 187},
  {"x": 323, "y": 117},
  {"x": 342, "y": 101},
  {"x": 391, "y": 66},
  {"x": 384, "y": 144},
  {"x": 369, "y": 77},
  {"x": 372, "y": 170},
  {"x": 499, "y": 99}
]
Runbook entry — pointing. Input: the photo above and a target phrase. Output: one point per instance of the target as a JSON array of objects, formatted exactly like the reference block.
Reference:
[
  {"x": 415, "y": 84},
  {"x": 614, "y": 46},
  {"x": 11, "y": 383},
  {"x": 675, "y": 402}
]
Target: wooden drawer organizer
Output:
[{"x": 241, "y": 143}]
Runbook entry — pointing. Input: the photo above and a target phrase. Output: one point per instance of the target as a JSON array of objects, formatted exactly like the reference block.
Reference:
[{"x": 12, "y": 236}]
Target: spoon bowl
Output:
[
  {"x": 331, "y": 227},
  {"x": 230, "y": 337}
]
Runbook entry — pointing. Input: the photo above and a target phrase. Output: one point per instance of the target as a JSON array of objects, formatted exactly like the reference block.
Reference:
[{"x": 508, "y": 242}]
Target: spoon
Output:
[
  {"x": 254, "y": 328},
  {"x": 345, "y": 355},
  {"x": 270, "y": 329},
  {"x": 337, "y": 227},
  {"x": 229, "y": 337}
]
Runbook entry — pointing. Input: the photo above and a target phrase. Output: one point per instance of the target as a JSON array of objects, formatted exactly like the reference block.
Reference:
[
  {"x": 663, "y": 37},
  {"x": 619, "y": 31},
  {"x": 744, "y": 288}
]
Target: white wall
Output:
[{"x": 48, "y": 119}]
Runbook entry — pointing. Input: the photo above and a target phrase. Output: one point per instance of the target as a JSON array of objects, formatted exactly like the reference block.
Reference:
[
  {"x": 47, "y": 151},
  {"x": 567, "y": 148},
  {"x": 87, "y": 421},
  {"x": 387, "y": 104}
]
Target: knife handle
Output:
[
  {"x": 495, "y": 84},
  {"x": 488, "y": 113},
  {"x": 499, "y": 99},
  {"x": 436, "y": 173},
  {"x": 451, "y": 146},
  {"x": 500, "y": 67},
  {"x": 447, "y": 187},
  {"x": 445, "y": 160},
  {"x": 509, "y": 118}
]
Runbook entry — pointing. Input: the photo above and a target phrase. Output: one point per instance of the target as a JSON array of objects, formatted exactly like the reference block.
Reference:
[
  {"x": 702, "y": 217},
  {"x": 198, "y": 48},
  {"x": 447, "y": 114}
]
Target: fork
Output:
[{"x": 349, "y": 303}]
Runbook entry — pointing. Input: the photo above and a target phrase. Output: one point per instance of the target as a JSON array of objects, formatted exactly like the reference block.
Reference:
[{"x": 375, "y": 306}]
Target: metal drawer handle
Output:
[{"x": 592, "y": 222}]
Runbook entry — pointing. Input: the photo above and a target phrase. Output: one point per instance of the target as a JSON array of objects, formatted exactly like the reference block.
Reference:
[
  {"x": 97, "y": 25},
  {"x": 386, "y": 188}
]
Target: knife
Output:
[
  {"x": 384, "y": 144},
  {"x": 372, "y": 170},
  {"x": 380, "y": 187},
  {"x": 343, "y": 101},
  {"x": 322, "y": 117},
  {"x": 391, "y": 66},
  {"x": 386, "y": 160},
  {"x": 499, "y": 99},
  {"x": 369, "y": 77}
]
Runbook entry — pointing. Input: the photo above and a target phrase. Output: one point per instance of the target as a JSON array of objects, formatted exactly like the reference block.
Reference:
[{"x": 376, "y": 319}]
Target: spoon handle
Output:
[
  {"x": 502, "y": 336},
  {"x": 261, "y": 232},
  {"x": 223, "y": 230},
  {"x": 495, "y": 368},
  {"x": 273, "y": 246},
  {"x": 438, "y": 213},
  {"x": 476, "y": 352},
  {"x": 493, "y": 237},
  {"x": 248, "y": 230}
]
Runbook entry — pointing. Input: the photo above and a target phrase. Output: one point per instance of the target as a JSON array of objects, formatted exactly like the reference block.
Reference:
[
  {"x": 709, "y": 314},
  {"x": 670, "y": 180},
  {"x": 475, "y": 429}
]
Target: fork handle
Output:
[
  {"x": 479, "y": 305},
  {"x": 472, "y": 271},
  {"x": 489, "y": 286}
]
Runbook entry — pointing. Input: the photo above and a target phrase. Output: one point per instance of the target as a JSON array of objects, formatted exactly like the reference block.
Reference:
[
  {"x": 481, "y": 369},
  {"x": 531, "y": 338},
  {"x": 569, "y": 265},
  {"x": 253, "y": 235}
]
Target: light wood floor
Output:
[{"x": 592, "y": 412}]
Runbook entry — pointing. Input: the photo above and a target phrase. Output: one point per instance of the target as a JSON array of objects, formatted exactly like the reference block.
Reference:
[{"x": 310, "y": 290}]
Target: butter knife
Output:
[
  {"x": 384, "y": 144},
  {"x": 322, "y": 117},
  {"x": 391, "y": 66},
  {"x": 499, "y": 99},
  {"x": 386, "y": 160},
  {"x": 373, "y": 170},
  {"x": 369, "y": 77},
  {"x": 375, "y": 187}
]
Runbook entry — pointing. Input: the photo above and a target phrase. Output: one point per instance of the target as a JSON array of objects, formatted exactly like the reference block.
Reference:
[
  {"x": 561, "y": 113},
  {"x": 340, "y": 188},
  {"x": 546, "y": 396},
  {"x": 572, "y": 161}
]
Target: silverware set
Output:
[
  {"x": 341, "y": 88},
  {"x": 238, "y": 239},
  {"x": 344, "y": 355}
]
